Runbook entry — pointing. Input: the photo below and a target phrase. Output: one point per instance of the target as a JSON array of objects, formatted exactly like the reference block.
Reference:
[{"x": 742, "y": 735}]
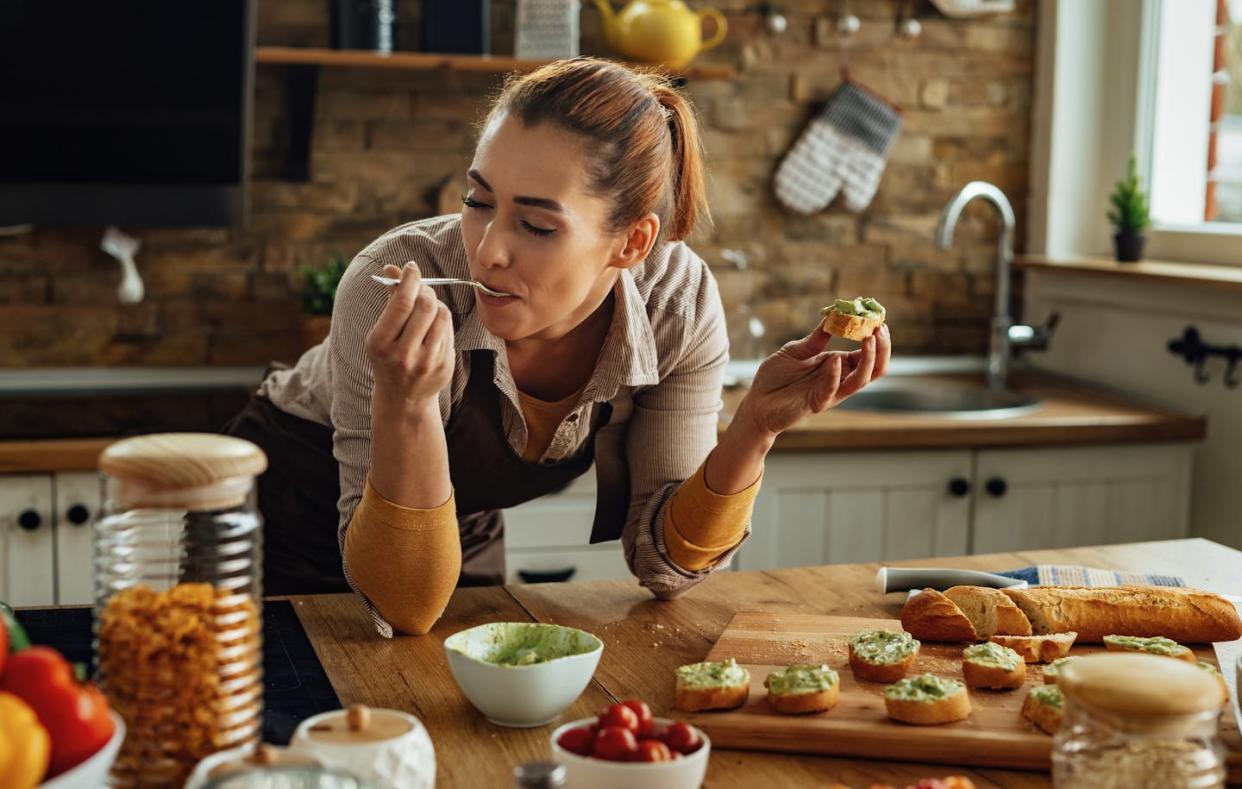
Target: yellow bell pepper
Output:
[{"x": 24, "y": 744}]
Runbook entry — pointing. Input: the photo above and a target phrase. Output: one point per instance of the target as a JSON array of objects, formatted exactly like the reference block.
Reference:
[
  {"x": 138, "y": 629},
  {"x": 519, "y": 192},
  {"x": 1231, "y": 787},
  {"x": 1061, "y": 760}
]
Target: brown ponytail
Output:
[{"x": 644, "y": 149}]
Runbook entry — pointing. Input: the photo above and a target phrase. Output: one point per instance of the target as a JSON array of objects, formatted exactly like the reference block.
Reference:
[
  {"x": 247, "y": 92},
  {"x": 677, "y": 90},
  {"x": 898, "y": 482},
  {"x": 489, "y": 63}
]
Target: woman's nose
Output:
[{"x": 492, "y": 252}]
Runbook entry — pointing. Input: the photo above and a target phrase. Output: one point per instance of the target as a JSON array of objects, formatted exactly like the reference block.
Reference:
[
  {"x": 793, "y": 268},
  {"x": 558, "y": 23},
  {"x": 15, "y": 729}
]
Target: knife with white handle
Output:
[{"x": 901, "y": 579}]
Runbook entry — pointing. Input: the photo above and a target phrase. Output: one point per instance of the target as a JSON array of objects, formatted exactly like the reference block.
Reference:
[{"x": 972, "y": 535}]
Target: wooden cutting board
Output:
[{"x": 995, "y": 735}]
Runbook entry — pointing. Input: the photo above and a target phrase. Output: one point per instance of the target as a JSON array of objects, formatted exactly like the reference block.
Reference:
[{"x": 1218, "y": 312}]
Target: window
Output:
[{"x": 1224, "y": 188}]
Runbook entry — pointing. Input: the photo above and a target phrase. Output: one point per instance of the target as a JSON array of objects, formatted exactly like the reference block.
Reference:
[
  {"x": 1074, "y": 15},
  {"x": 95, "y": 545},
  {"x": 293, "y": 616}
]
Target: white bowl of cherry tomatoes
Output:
[{"x": 626, "y": 747}]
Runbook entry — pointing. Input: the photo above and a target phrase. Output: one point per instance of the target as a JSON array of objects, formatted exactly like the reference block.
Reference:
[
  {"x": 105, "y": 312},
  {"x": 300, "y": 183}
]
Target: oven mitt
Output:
[{"x": 843, "y": 149}]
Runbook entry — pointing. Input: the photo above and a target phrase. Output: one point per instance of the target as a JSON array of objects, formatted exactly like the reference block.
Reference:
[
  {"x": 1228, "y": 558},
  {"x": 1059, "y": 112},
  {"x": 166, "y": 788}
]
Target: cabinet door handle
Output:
[
  {"x": 29, "y": 520},
  {"x": 959, "y": 487},
  {"x": 78, "y": 514},
  {"x": 546, "y": 576},
  {"x": 996, "y": 487}
]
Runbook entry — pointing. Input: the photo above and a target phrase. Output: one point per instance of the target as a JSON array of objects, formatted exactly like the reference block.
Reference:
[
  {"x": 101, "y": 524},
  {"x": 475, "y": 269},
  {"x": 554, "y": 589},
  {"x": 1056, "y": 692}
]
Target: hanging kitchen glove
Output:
[{"x": 843, "y": 149}]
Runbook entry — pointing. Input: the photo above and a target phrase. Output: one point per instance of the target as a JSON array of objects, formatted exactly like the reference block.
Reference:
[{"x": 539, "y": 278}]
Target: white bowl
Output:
[
  {"x": 583, "y": 772},
  {"x": 92, "y": 773},
  {"x": 526, "y": 695}
]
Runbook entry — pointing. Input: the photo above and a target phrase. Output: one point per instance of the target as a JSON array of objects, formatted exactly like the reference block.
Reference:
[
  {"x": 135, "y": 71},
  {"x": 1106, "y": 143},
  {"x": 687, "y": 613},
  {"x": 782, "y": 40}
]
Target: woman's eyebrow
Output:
[{"x": 537, "y": 202}]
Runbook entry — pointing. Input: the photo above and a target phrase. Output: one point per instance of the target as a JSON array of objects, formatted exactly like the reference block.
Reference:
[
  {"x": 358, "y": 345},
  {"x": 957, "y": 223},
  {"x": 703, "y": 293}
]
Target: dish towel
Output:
[
  {"x": 844, "y": 149},
  {"x": 1072, "y": 575}
]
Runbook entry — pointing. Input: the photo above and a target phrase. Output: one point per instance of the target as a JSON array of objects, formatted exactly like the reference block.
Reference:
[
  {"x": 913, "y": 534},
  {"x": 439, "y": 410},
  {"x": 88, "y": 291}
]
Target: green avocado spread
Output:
[
  {"x": 1048, "y": 695},
  {"x": 517, "y": 644},
  {"x": 1054, "y": 668},
  {"x": 713, "y": 674},
  {"x": 1157, "y": 645},
  {"x": 801, "y": 679},
  {"x": 1208, "y": 667},
  {"x": 992, "y": 655},
  {"x": 925, "y": 687},
  {"x": 859, "y": 308},
  {"x": 883, "y": 647}
]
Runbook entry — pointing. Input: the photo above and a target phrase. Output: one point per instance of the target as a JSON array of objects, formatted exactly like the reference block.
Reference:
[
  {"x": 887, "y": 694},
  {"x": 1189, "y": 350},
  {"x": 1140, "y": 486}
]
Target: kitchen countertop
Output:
[
  {"x": 645, "y": 640},
  {"x": 1070, "y": 413}
]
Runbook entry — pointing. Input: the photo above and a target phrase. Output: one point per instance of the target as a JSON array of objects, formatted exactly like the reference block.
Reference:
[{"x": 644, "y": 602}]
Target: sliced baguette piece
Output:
[
  {"x": 1051, "y": 670},
  {"x": 711, "y": 685},
  {"x": 927, "y": 700},
  {"x": 1038, "y": 649},
  {"x": 1045, "y": 707},
  {"x": 990, "y": 611},
  {"x": 1188, "y": 616},
  {"x": 1155, "y": 645},
  {"x": 1214, "y": 671},
  {"x": 851, "y": 327},
  {"x": 882, "y": 655},
  {"x": 991, "y": 665},
  {"x": 803, "y": 688},
  {"x": 931, "y": 616}
]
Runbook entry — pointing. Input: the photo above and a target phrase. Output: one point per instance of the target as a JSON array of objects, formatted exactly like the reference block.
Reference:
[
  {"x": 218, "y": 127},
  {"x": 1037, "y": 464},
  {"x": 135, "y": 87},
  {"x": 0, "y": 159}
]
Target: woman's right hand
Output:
[{"x": 410, "y": 347}]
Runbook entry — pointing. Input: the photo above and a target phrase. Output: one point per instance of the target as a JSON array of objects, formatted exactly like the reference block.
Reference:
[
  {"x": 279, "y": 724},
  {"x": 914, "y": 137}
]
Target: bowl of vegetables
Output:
[
  {"x": 54, "y": 727},
  {"x": 624, "y": 746},
  {"x": 522, "y": 674}
]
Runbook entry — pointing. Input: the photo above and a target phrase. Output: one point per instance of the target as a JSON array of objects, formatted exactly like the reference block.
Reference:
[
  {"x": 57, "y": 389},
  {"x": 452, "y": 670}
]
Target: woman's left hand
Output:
[{"x": 803, "y": 378}]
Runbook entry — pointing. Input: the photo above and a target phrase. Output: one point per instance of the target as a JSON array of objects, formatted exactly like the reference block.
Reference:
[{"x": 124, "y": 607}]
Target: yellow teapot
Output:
[{"x": 659, "y": 31}]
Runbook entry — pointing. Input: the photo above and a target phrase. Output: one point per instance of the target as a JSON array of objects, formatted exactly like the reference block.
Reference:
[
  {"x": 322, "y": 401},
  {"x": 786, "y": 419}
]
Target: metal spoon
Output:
[{"x": 444, "y": 281}]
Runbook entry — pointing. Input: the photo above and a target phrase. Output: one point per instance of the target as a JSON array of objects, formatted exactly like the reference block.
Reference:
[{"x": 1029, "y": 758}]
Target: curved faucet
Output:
[{"x": 1004, "y": 334}]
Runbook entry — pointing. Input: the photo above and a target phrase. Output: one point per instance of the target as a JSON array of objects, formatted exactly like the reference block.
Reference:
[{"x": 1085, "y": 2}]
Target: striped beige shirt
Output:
[{"x": 661, "y": 368}]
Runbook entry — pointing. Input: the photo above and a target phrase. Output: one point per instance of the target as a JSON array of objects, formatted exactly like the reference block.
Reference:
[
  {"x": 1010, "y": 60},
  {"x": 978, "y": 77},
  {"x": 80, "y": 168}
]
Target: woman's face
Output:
[{"x": 532, "y": 228}]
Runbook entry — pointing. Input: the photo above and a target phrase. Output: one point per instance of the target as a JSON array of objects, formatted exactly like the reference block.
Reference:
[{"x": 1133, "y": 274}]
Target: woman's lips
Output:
[{"x": 496, "y": 301}]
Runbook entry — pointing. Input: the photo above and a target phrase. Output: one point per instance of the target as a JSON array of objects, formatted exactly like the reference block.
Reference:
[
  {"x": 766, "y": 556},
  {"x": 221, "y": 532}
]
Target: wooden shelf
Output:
[
  {"x": 1163, "y": 272},
  {"x": 424, "y": 61}
]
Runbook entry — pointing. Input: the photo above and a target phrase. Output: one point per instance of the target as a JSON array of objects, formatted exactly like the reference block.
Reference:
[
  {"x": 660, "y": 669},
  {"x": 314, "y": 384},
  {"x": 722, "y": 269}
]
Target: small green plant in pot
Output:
[
  {"x": 1128, "y": 215},
  {"x": 318, "y": 295}
]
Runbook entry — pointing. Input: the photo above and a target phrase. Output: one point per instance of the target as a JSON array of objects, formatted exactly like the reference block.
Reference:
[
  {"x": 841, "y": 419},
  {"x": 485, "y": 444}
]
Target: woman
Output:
[{"x": 395, "y": 443}]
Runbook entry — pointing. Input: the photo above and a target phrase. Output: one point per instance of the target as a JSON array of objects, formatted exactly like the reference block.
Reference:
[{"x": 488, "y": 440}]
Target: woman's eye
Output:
[
  {"x": 538, "y": 231},
  {"x": 470, "y": 202}
]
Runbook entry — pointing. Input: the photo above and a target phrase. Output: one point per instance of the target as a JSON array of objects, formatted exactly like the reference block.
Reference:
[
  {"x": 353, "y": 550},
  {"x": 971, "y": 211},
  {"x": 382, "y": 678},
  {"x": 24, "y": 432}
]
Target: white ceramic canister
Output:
[
  {"x": 243, "y": 758},
  {"x": 385, "y": 747}
]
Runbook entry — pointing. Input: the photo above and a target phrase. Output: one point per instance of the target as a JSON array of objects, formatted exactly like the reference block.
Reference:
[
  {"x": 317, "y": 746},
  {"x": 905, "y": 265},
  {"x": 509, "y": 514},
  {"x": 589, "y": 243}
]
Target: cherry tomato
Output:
[
  {"x": 643, "y": 712},
  {"x": 580, "y": 740},
  {"x": 681, "y": 738},
  {"x": 651, "y": 750},
  {"x": 619, "y": 715},
  {"x": 614, "y": 743}
]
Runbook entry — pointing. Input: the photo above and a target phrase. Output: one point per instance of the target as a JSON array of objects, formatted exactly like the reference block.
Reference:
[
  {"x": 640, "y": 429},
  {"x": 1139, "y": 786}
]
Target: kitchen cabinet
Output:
[
  {"x": 45, "y": 537},
  {"x": 825, "y": 507},
  {"x": 831, "y": 507},
  {"x": 1084, "y": 496},
  {"x": 78, "y": 497}
]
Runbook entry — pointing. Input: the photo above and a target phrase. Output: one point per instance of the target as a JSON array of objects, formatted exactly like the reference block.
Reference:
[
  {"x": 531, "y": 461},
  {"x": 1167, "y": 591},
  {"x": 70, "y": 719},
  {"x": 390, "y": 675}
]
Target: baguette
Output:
[
  {"x": 993, "y": 666},
  {"x": 1045, "y": 707},
  {"x": 1157, "y": 645},
  {"x": 931, "y": 616},
  {"x": 802, "y": 689},
  {"x": 1184, "y": 615},
  {"x": 1038, "y": 649},
  {"x": 882, "y": 655},
  {"x": 721, "y": 685},
  {"x": 989, "y": 611},
  {"x": 927, "y": 700}
]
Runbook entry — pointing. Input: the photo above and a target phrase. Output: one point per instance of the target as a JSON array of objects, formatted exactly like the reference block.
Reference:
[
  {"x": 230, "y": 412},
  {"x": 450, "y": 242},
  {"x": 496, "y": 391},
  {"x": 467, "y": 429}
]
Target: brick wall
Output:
[{"x": 384, "y": 141}]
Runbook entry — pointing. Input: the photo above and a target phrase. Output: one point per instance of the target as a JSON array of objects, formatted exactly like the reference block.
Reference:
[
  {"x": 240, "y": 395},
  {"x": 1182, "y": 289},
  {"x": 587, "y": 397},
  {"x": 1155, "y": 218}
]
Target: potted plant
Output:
[
  {"x": 1129, "y": 215},
  {"x": 318, "y": 294}
]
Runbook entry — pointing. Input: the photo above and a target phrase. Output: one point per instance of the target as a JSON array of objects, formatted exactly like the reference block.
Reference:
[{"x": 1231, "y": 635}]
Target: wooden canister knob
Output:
[
  {"x": 358, "y": 717},
  {"x": 264, "y": 755}
]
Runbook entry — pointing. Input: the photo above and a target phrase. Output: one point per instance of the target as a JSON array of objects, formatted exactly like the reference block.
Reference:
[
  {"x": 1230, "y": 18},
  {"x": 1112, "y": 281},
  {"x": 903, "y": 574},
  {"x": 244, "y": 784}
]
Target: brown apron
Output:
[{"x": 298, "y": 493}]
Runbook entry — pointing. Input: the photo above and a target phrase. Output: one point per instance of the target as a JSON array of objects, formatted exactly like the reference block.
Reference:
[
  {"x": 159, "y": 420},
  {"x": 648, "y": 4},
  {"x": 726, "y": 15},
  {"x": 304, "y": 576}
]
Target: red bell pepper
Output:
[{"x": 74, "y": 714}]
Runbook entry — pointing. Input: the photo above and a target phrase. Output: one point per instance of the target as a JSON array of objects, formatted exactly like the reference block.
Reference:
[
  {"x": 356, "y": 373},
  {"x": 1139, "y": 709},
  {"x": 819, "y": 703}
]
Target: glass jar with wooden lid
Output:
[
  {"x": 1138, "y": 720},
  {"x": 177, "y": 559}
]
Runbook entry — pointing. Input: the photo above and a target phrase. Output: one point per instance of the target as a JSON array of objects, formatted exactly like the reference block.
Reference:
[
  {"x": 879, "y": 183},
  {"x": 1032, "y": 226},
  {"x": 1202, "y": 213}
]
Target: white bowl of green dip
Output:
[{"x": 522, "y": 674}]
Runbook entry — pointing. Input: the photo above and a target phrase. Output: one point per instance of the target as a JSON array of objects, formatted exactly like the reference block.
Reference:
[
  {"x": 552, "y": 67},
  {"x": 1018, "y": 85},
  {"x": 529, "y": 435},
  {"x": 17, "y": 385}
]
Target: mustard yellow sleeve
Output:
[
  {"x": 405, "y": 560},
  {"x": 701, "y": 525}
]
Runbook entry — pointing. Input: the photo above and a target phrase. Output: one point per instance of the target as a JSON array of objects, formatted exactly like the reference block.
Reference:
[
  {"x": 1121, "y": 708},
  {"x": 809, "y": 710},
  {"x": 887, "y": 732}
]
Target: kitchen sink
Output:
[{"x": 939, "y": 397}]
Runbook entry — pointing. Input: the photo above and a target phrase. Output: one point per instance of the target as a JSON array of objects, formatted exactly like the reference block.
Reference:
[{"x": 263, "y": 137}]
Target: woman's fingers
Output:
[
  {"x": 810, "y": 345},
  {"x": 401, "y": 300},
  {"x": 827, "y": 383},
  {"x": 413, "y": 337},
  {"x": 861, "y": 374},
  {"x": 884, "y": 350}
]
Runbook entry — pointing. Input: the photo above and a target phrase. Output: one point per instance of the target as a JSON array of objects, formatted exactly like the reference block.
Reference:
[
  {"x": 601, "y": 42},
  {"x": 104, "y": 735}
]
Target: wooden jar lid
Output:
[
  {"x": 1140, "y": 685},
  {"x": 153, "y": 469}
]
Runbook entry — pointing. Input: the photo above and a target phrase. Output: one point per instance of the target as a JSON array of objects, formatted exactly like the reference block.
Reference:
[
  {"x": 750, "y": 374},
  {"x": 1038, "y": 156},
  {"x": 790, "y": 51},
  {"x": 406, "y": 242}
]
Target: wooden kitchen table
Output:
[{"x": 645, "y": 640}]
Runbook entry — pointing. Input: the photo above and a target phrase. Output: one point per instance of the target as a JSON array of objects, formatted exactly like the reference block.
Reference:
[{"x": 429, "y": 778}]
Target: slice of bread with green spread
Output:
[
  {"x": 1051, "y": 670},
  {"x": 711, "y": 685},
  {"x": 991, "y": 665},
  {"x": 853, "y": 319},
  {"x": 1155, "y": 645},
  {"x": 1045, "y": 707},
  {"x": 803, "y": 688},
  {"x": 882, "y": 655},
  {"x": 927, "y": 700}
]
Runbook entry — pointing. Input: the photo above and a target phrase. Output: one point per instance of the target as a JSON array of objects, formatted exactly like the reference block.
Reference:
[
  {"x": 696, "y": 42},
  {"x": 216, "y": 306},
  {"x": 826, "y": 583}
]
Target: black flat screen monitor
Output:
[{"x": 133, "y": 112}]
